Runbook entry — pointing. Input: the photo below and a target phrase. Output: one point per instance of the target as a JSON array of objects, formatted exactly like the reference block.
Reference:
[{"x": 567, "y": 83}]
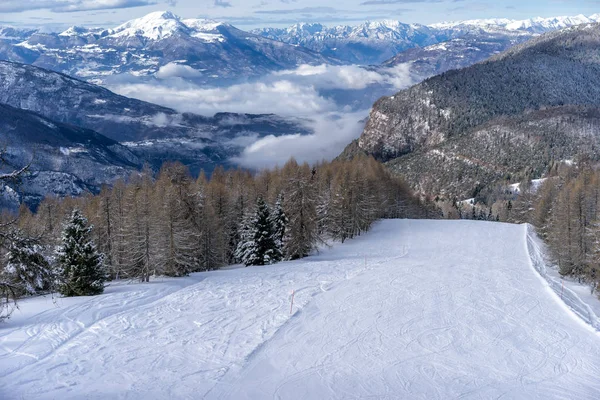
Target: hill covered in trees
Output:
[{"x": 434, "y": 132}]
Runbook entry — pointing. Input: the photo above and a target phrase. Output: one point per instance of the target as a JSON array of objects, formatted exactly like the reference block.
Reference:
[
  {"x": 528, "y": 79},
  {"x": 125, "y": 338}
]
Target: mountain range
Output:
[
  {"x": 377, "y": 42},
  {"x": 206, "y": 51},
  {"x": 509, "y": 117},
  {"x": 161, "y": 45},
  {"x": 64, "y": 160}
]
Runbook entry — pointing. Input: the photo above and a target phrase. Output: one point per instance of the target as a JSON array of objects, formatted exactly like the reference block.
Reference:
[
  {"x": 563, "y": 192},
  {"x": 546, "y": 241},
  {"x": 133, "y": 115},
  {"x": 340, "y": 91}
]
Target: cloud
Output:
[
  {"x": 71, "y": 5},
  {"x": 332, "y": 98},
  {"x": 349, "y": 77},
  {"x": 387, "y": 2},
  {"x": 173, "y": 70},
  {"x": 222, "y": 3},
  {"x": 332, "y": 132},
  {"x": 278, "y": 97}
]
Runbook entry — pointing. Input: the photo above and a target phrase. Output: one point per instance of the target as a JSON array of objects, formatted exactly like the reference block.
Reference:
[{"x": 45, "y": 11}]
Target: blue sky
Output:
[{"x": 256, "y": 13}]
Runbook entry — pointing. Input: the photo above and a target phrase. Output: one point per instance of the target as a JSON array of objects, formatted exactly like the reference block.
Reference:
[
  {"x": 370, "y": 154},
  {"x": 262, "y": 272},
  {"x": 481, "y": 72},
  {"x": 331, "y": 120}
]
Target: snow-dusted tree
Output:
[
  {"x": 258, "y": 245},
  {"x": 27, "y": 269},
  {"x": 246, "y": 249},
  {"x": 279, "y": 220},
  {"x": 80, "y": 267}
]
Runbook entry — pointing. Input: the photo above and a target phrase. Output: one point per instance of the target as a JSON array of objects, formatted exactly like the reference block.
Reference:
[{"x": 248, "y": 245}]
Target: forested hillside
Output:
[
  {"x": 452, "y": 117},
  {"x": 504, "y": 150}
]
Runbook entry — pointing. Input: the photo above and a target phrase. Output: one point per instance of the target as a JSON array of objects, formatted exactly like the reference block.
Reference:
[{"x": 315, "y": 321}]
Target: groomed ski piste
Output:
[{"x": 411, "y": 310}]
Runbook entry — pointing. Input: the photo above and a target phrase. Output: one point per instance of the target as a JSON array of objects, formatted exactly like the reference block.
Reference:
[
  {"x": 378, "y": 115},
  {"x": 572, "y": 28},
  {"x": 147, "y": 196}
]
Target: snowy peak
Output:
[
  {"x": 304, "y": 29},
  {"x": 203, "y": 25},
  {"x": 155, "y": 26},
  {"x": 205, "y": 30},
  {"x": 533, "y": 25},
  {"x": 161, "y": 25},
  {"x": 80, "y": 31}
]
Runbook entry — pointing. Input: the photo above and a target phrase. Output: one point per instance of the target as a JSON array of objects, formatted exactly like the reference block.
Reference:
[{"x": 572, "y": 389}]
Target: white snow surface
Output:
[{"x": 414, "y": 309}]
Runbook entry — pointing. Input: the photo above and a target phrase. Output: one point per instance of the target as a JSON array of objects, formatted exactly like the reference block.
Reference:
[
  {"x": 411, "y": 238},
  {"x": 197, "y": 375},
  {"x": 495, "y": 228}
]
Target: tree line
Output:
[
  {"x": 566, "y": 211},
  {"x": 170, "y": 223},
  {"x": 564, "y": 207}
]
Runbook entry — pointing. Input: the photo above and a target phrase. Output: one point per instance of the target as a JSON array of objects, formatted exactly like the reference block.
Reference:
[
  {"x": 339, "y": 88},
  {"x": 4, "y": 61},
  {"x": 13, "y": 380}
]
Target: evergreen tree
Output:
[
  {"x": 27, "y": 269},
  {"x": 246, "y": 250},
  {"x": 279, "y": 221},
  {"x": 258, "y": 245},
  {"x": 80, "y": 266}
]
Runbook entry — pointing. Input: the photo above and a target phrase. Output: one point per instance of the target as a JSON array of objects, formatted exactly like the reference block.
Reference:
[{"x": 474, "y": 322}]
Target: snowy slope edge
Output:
[{"x": 536, "y": 255}]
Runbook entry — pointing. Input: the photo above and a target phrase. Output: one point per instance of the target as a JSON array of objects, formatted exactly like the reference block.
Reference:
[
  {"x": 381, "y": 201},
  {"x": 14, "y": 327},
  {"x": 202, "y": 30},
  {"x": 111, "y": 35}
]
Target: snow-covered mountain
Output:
[
  {"x": 367, "y": 43},
  {"x": 533, "y": 25},
  {"x": 461, "y": 52},
  {"x": 376, "y": 42},
  {"x": 214, "y": 51},
  {"x": 217, "y": 53}
]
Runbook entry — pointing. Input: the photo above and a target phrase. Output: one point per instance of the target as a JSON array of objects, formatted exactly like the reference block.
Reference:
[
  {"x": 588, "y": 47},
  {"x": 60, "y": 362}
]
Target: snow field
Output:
[{"x": 414, "y": 309}]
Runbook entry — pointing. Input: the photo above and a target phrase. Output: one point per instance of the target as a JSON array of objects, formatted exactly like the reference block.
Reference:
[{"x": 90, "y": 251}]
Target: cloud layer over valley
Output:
[{"x": 334, "y": 100}]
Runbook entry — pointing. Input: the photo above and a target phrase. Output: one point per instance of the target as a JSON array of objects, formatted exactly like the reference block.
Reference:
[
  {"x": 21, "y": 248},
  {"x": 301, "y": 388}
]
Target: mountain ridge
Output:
[
  {"x": 140, "y": 47},
  {"x": 342, "y": 41}
]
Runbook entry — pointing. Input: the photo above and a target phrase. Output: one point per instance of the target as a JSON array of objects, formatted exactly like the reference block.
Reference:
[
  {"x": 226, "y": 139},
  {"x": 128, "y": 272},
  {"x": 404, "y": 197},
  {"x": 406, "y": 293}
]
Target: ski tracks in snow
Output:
[
  {"x": 414, "y": 309},
  {"x": 176, "y": 338},
  {"x": 460, "y": 317}
]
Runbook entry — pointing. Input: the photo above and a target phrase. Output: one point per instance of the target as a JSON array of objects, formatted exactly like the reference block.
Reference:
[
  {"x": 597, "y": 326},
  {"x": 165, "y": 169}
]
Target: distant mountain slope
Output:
[
  {"x": 376, "y": 42},
  {"x": 557, "y": 69},
  {"x": 456, "y": 53},
  {"x": 214, "y": 51},
  {"x": 447, "y": 112},
  {"x": 73, "y": 101},
  {"x": 367, "y": 43},
  {"x": 65, "y": 160}
]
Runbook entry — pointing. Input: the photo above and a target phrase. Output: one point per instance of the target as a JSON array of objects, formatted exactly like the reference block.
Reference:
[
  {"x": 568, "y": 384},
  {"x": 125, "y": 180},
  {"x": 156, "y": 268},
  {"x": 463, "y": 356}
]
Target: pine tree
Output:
[
  {"x": 27, "y": 270},
  {"x": 258, "y": 245},
  {"x": 246, "y": 250},
  {"x": 279, "y": 220},
  {"x": 80, "y": 266},
  {"x": 268, "y": 250}
]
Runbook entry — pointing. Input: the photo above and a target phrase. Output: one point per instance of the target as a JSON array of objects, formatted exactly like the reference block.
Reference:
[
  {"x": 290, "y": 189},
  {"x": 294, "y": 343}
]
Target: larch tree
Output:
[
  {"x": 300, "y": 205},
  {"x": 140, "y": 235}
]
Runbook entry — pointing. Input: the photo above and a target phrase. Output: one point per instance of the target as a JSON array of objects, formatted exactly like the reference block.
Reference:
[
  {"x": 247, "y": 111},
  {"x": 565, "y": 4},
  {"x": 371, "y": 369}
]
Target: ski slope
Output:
[{"x": 412, "y": 310}]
